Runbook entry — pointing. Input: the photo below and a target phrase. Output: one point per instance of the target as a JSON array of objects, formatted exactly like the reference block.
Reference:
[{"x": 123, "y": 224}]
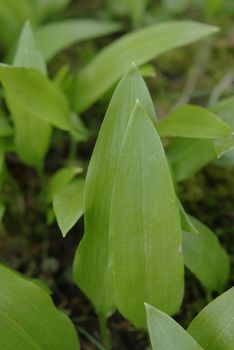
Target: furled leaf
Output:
[
  {"x": 165, "y": 333},
  {"x": 68, "y": 205},
  {"x": 60, "y": 179},
  {"x": 140, "y": 46},
  {"x": 29, "y": 319},
  {"x": 205, "y": 257},
  {"x": 185, "y": 220},
  {"x": 187, "y": 156},
  {"x": 144, "y": 225},
  {"x": 29, "y": 130},
  {"x": 213, "y": 327},
  {"x": 91, "y": 267},
  {"x": 195, "y": 122},
  {"x": 54, "y": 37},
  {"x": 36, "y": 94},
  {"x": 2, "y": 210}
]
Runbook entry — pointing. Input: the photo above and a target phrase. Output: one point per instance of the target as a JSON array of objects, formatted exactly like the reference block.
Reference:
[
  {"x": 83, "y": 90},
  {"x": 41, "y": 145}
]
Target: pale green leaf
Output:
[
  {"x": 27, "y": 54},
  {"x": 205, "y": 257},
  {"x": 176, "y": 6},
  {"x": 29, "y": 130},
  {"x": 144, "y": 225},
  {"x": 60, "y": 179},
  {"x": 36, "y": 94},
  {"x": 54, "y": 37},
  {"x": 167, "y": 334},
  {"x": 140, "y": 46},
  {"x": 225, "y": 109},
  {"x": 91, "y": 271},
  {"x": 29, "y": 319},
  {"x": 195, "y": 122},
  {"x": 187, "y": 156},
  {"x": 213, "y": 327},
  {"x": 68, "y": 205}
]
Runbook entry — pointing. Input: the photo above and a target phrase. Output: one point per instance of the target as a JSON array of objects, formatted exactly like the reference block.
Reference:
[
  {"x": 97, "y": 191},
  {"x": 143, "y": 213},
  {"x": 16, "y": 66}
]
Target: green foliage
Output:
[
  {"x": 29, "y": 320},
  {"x": 54, "y": 37},
  {"x": 212, "y": 328},
  {"x": 68, "y": 205},
  {"x": 141, "y": 46}
]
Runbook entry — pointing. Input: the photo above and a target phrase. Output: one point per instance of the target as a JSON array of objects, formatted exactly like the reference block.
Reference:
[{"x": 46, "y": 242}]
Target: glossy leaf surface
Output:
[
  {"x": 29, "y": 319},
  {"x": 91, "y": 268},
  {"x": 144, "y": 225},
  {"x": 140, "y": 46},
  {"x": 166, "y": 333}
]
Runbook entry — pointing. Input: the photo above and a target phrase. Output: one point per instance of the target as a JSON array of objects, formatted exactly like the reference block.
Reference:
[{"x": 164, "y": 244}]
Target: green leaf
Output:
[
  {"x": 91, "y": 270},
  {"x": 27, "y": 54},
  {"x": 68, "y": 205},
  {"x": 187, "y": 156},
  {"x": 45, "y": 8},
  {"x": 59, "y": 180},
  {"x": 29, "y": 319},
  {"x": 165, "y": 333},
  {"x": 225, "y": 109},
  {"x": 223, "y": 145},
  {"x": 205, "y": 257},
  {"x": 28, "y": 128},
  {"x": 140, "y": 46},
  {"x": 54, "y": 37},
  {"x": 213, "y": 327},
  {"x": 195, "y": 122},
  {"x": 36, "y": 94},
  {"x": 5, "y": 127},
  {"x": 13, "y": 14},
  {"x": 144, "y": 225},
  {"x": 185, "y": 220}
]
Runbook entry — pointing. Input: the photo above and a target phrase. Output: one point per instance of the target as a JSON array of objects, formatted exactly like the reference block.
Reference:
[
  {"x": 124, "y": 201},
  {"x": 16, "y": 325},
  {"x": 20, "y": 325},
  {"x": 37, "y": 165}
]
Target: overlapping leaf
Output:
[
  {"x": 144, "y": 225},
  {"x": 165, "y": 333},
  {"x": 213, "y": 327},
  {"x": 91, "y": 270},
  {"x": 141, "y": 46},
  {"x": 28, "y": 318}
]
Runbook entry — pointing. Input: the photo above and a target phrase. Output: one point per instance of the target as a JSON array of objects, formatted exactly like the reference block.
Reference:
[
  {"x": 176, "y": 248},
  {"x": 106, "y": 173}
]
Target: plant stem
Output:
[{"x": 105, "y": 334}]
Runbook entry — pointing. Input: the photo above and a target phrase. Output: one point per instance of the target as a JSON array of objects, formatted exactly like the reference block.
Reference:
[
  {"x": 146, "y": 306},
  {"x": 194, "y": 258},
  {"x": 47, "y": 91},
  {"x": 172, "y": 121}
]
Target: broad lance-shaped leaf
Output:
[
  {"x": 145, "y": 233},
  {"x": 213, "y": 327},
  {"x": 205, "y": 257},
  {"x": 29, "y": 319},
  {"x": 166, "y": 334},
  {"x": 68, "y": 205},
  {"x": 29, "y": 130},
  {"x": 195, "y": 122},
  {"x": 91, "y": 267},
  {"x": 140, "y": 46},
  {"x": 54, "y": 37}
]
